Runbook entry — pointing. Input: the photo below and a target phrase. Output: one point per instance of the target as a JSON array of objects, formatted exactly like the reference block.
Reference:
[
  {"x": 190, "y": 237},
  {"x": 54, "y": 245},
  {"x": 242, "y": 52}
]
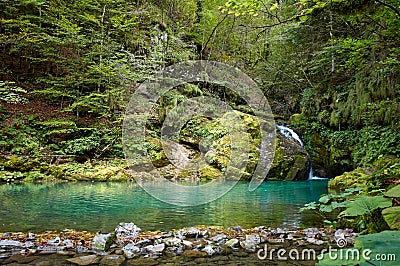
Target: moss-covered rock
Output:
[
  {"x": 209, "y": 172},
  {"x": 156, "y": 153},
  {"x": 291, "y": 161},
  {"x": 355, "y": 178},
  {"x": 296, "y": 120}
]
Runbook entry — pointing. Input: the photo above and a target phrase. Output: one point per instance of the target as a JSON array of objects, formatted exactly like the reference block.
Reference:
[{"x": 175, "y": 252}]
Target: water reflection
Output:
[{"x": 100, "y": 206}]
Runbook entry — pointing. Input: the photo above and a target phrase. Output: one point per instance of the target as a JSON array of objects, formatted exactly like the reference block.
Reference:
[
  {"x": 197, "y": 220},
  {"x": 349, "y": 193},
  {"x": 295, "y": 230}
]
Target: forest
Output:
[{"x": 330, "y": 70}]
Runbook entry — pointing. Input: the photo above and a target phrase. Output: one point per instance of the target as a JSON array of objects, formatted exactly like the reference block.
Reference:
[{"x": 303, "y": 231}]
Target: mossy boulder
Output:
[
  {"x": 296, "y": 120},
  {"x": 355, "y": 178},
  {"x": 291, "y": 161},
  {"x": 209, "y": 172},
  {"x": 156, "y": 153}
]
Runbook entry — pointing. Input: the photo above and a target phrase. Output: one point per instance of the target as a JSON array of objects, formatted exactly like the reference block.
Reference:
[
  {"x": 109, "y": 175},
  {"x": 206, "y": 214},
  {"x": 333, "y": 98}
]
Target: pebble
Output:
[
  {"x": 155, "y": 249},
  {"x": 54, "y": 242},
  {"x": 218, "y": 238},
  {"x": 99, "y": 242},
  {"x": 173, "y": 241},
  {"x": 127, "y": 230},
  {"x": 10, "y": 243},
  {"x": 191, "y": 232},
  {"x": 187, "y": 244},
  {"x": 119, "y": 252},
  {"x": 232, "y": 242},
  {"x": 209, "y": 250}
]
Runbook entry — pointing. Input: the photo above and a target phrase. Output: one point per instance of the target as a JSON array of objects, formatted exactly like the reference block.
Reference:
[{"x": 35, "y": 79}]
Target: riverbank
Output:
[{"x": 204, "y": 245}]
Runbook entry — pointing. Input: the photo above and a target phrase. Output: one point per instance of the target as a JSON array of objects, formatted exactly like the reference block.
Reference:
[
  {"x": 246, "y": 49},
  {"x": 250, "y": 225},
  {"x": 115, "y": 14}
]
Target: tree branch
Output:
[{"x": 212, "y": 33}]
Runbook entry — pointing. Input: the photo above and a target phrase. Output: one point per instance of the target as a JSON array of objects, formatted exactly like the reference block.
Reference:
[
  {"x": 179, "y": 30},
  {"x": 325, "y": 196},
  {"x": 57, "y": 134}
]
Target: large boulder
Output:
[
  {"x": 291, "y": 161},
  {"x": 220, "y": 154}
]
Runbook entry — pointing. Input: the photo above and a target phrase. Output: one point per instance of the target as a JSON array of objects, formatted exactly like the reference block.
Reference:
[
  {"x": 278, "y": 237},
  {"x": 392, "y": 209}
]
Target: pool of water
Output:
[{"x": 101, "y": 206}]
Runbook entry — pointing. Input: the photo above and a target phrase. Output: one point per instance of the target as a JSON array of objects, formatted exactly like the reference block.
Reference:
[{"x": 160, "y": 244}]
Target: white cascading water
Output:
[{"x": 290, "y": 134}]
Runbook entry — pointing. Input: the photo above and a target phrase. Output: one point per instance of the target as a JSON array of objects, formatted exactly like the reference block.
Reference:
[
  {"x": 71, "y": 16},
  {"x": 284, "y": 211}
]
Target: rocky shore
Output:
[{"x": 204, "y": 245}]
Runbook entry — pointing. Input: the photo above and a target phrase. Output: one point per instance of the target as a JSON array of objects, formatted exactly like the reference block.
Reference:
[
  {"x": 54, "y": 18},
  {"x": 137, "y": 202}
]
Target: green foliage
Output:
[
  {"x": 11, "y": 93},
  {"x": 365, "y": 209},
  {"x": 331, "y": 205},
  {"x": 393, "y": 192},
  {"x": 82, "y": 146},
  {"x": 392, "y": 217},
  {"x": 349, "y": 149},
  {"x": 366, "y": 205},
  {"x": 244, "y": 7}
]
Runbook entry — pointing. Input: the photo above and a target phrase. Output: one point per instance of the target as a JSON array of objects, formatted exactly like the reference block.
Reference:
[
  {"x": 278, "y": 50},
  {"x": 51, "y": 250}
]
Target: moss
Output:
[
  {"x": 185, "y": 174},
  {"x": 96, "y": 171},
  {"x": 280, "y": 166},
  {"x": 22, "y": 164},
  {"x": 355, "y": 178},
  {"x": 296, "y": 120},
  {"x": 291, "y": 161},
  {"x": 234, "y": 173},
  {"x": 209, "y": 173},
  {"x": 252, "y": 124}
]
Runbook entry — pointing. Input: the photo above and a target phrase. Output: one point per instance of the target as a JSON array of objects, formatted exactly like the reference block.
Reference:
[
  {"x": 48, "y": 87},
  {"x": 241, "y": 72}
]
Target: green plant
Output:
[
  {"x": 365, "y": 209},
  {"x": 11, "y": 93},
  {"x": 331, "y": 205}
]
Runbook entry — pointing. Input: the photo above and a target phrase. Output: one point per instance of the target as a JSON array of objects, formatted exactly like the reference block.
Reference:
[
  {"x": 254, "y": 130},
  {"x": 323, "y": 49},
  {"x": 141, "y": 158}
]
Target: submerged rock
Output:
[
  {"x": 112, "y": 260},
  {"x": 173, "y": 251},
  {"x": 85, "y": 260},
  {"x": 193, "y": 253}
]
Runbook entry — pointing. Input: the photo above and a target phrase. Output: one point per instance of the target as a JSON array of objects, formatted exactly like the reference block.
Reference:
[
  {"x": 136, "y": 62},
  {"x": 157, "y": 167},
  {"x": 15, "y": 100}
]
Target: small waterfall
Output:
[{"x": 290, "y": 134}]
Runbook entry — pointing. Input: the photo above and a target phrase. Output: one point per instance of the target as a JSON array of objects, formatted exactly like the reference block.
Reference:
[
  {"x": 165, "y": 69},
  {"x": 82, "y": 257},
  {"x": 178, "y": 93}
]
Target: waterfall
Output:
[{"x": 290, "y": 134}]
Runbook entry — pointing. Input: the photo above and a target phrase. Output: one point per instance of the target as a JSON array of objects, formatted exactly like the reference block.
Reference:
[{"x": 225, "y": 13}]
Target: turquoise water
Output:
[{"x": 101, "y": 206}]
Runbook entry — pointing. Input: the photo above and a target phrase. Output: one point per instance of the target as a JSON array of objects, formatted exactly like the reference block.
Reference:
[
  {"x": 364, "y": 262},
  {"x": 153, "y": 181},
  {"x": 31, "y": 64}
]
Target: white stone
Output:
[
  {"x": 232, "y": 242},
  {"x": 209, "y": 249},
  {"x": 99, "y": 242},
  {"x": 127, "y": 230},
  {"x": 130, "y": 250}
]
